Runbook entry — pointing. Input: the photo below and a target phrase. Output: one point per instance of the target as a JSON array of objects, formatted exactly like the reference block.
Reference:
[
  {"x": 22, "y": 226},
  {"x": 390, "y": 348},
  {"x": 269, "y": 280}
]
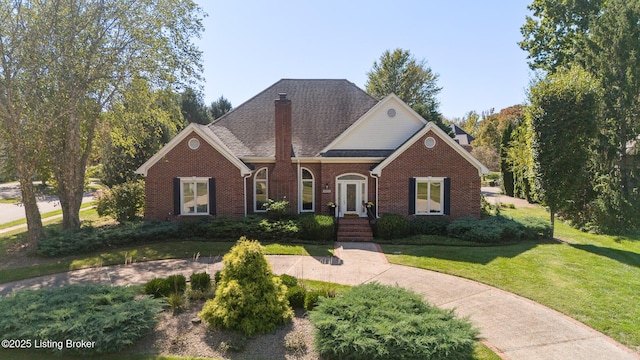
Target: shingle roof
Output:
[
  {"x": 321, "y": 110},
  {"x": 461, "y": 136}
]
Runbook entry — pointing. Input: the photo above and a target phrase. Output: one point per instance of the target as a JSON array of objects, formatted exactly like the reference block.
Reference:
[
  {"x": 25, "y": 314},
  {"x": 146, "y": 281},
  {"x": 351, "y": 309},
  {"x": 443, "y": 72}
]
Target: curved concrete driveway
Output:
[{"x": 513, "y": 326}]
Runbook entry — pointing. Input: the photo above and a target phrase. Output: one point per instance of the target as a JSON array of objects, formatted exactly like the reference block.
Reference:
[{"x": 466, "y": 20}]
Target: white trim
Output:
[
  {"x": 364, "y": 182},
  {"x": 381, "y": 104},
  {"x": 444, "y": 137},
  {"x": 317, "y": 160},
  {"x": 301, "y": 182},
  {"x": 194, "y": 180},
  {"x": 255, "y": 179},
  {"x": 205, "y": 133},
  {"x": 429, "y": 180}
]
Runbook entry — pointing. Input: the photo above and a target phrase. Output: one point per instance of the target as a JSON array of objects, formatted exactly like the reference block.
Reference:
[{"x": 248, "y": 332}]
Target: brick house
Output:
[{"x": 314, "y": 142}]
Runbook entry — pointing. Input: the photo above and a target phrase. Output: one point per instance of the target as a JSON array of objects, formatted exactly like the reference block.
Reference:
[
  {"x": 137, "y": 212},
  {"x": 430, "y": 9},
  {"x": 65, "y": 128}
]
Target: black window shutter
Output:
[
  {"x": 176, "y": 196},
  {"x": 212, "y": 196},
  {"x": 412, "y": 196},
  {"x": 447, "y": 196}
]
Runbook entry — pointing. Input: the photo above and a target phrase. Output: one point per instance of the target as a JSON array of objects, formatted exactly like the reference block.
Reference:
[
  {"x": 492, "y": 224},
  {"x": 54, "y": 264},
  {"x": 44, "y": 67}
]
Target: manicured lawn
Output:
[{"x": 594, "y": 279}]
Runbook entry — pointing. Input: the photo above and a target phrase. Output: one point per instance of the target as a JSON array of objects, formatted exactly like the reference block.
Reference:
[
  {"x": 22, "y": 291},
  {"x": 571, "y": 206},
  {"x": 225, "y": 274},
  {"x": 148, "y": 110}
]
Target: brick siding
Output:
[{"x": 181, "y": 161}]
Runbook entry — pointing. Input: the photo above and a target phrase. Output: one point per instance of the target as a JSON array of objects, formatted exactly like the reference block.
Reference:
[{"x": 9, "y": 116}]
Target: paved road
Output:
[
  {"x": 515, "y": 327},
  {"x": 15, "y": 211}
]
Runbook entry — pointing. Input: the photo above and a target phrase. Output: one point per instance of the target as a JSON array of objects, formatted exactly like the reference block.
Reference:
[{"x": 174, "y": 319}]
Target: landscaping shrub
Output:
[
  {"x": 123, "y": 202},
  {"x": 248, "y": 297},
  {"x": 296, "y": 296},
  {"x": 374, "y": 321},
  {"x": 288, "y": 280},
  {"x": 157, "y": 287},
  {"x": 163, "y": 287},
  {"x": 87, "y": 239},
  {"x": 177, "y": 283},
  {"x": 111, "y": 316},
  {"x": 317, "y": 227},
  {"x": 499, "y": 229},
  {"x": 392, "y": 226},
  {"x": 428, "y": 225},
  {"x": 311, "y": 299},
  {"x": 200, "y": 281},
  {"x": 278, "y": 210}
]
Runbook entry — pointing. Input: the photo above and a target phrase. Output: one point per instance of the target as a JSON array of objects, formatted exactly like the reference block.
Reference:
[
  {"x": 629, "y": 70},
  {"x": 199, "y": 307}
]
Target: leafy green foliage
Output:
[
  {"x": 110, "y": 316},
  {"x": 392, "y": 226},
  {"x": 288, "y": 280},
  {"x": 193, "y": 108},
  {"x": 296, "y": 296},
  {"x": 278, "y": 209},
  {"x": 317, "y": 227},
  {"x": 499, "y": 229},
  {"x": 374, "y": 321},
  {"x": 412, "y": 80},
  {"x": 428, "y": 225},
  {"x": 563, "y": 113},
  {"x": 163, "y": 287},
  {"x": 89, "y": 239},
  {"x": 311, "y": 299},
  {"x": 200, "y": 281},
  {"x": 137, "y": 127},
  {"x": 123, "y": 202},
  {"x": 157, "y": 287},
  {"x": 248, "y": 298},
  {"x": 219, "y": 107}
]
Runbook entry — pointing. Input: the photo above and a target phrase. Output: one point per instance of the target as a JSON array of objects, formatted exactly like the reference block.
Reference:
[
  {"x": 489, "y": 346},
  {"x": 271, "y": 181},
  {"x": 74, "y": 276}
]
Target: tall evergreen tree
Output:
[{"x": 563, "y": 111}]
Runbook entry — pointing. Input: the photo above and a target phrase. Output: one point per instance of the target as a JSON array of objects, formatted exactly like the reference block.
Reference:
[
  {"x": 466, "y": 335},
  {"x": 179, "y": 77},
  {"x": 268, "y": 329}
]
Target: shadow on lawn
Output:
[
  {"x": 471, "y": 254},
  {"x": 625, "y": 257}
]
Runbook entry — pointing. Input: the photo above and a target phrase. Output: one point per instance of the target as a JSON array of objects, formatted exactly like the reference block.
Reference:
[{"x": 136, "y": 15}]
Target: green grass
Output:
[
  {"x": 592, "y": 278},
  {"x": 44, "y": 216}
]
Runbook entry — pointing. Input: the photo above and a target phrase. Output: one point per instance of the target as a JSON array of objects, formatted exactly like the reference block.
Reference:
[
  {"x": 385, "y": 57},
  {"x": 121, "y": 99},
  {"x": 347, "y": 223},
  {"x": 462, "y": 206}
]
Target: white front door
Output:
[{"x": 351, "y": 194}]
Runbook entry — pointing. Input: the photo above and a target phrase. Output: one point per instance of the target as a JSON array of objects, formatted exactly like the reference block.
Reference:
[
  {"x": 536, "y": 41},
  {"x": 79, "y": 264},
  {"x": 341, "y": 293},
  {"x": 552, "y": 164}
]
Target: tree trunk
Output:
[
  {"x": 35, "y": 232},
  {"x": 553, "y": 221}
]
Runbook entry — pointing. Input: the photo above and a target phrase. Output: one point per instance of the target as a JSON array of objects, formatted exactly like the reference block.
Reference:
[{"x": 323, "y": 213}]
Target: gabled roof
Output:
[
  {"x": 377, "y": 171},
  {"x": 376, "y": 130},
  {"x": 461, "y": 136},
  {"x": 205, "y": 133},
  {"x": 321, "y": 111}
]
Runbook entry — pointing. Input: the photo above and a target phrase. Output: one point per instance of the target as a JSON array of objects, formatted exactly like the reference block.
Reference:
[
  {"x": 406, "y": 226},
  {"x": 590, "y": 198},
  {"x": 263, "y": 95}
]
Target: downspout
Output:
[
  {"x": 245, "y": 177},
  {"x": 377, "y": 178},
  {"x": 299, "y": 186}
]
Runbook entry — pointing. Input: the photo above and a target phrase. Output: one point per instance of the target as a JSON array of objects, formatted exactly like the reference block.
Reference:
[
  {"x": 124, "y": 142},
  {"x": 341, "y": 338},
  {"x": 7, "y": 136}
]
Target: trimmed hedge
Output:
[
  {"x": 499, "y": 229},
  {"x": 374, "y": 321},
  {"x": 392, "y": 226},
  {"x": 88, "y": 239},
  {"x": 200, "y": 281},
  {"x": 112, "y": 317},
  {"x": 296, "y": 296},
  {"x": 428, "y": 225}
]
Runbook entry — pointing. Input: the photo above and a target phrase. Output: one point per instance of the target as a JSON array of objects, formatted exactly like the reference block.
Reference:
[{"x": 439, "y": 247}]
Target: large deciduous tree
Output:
[
  {"x": 563, "y": 113},
  {"x": 414, "y": 82},
  {"x": 86, "y": 52},
  {"x": 137, "y": 125}
]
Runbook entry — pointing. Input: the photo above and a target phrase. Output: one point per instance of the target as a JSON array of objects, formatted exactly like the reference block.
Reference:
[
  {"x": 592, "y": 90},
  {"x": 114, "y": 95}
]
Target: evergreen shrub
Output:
[
  {"x": 374, "y": 321},
  {"x": 296, "y": 296},
  {"x": 428, "y": 225},
  {"x": 200, "y": 281},
  {"x": 249, "y": 298},
  {"x": 112, "y": 317},
  {"x": 392, "y": 226}
]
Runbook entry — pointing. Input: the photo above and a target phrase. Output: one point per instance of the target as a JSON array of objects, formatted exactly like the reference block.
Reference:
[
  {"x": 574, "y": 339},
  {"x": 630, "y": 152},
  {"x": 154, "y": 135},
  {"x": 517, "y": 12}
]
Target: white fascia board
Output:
[
  {"x": 205, "y": 133},
  {"x": 366, "y": 117},
  {"x": 318, "y": 160},
  {"x": 377, "y": 171}
]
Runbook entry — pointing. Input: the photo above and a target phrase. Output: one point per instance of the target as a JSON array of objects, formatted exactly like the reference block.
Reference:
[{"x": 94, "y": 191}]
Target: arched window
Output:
[
  {"x": 307, "y": 191},
  {"x": 260, "y": 189}
]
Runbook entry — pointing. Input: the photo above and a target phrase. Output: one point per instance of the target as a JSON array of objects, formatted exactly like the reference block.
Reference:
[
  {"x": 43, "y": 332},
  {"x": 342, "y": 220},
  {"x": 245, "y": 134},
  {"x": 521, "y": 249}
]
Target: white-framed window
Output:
[
  {"x": 307, "y": 191},
  {"x": 260, "y": 189},
  {"x": 429, "y": 196},
  {"x": 194, "y": 196}
]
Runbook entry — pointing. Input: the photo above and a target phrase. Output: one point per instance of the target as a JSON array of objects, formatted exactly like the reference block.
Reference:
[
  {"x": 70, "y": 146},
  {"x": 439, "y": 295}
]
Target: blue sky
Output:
[{"x": 472, "y": 45}]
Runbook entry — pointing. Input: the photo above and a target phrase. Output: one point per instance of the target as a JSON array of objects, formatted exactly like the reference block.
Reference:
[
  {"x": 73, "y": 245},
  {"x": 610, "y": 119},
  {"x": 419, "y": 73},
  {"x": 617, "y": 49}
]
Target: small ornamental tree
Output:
[
  {"x": 249, "y": 298},
  {"x": 123, "y": 202}
]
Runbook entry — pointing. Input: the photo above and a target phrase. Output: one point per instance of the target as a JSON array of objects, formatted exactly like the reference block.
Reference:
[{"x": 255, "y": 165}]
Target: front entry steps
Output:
[{"x": 354, "y": 229}]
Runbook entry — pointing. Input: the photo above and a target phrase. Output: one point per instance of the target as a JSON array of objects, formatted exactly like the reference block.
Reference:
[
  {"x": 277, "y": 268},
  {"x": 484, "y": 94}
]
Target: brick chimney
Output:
[
  {"x": 282, "y": 180},
  {"x": 283, "y": 129}
]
